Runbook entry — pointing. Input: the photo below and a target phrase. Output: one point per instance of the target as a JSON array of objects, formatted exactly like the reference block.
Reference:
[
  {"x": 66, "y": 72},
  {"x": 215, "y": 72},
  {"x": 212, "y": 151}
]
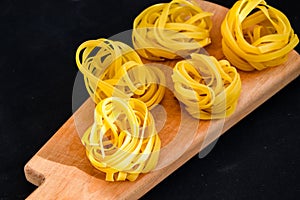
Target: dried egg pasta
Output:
[
  {"x": 208, "y": 88},
  {"x": 122, "y": 142},
  {"x": 171, "y": 30},
  {"x": 112, "y": 68},
  {"x": 256, "y": 35}
]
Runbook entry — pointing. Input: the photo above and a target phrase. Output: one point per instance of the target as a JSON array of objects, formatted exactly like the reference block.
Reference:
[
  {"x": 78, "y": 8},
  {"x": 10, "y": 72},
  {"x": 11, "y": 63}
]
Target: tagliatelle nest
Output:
[
  {"x": 256, "y": 35},
  {"x": 112, "y": 68},
  {"x": 208, "y": 88},
  {"x": 122, "y": 142},
  {"x": 171, "y": 30}
]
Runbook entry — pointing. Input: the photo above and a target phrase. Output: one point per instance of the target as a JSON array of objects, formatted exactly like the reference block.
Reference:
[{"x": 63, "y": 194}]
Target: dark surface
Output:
[{"x": 256, "y": 159}]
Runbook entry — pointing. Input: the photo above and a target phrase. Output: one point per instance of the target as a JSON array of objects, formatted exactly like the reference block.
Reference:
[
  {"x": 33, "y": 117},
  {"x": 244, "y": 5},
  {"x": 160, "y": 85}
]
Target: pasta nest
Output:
[
  {"x": 112, "y": 68},
  {"x": 122, "y": 141},
  {"x": 208, "y": 88},
  {"x": 171, "y": 30},
  {"x": 256, "y": 35}
]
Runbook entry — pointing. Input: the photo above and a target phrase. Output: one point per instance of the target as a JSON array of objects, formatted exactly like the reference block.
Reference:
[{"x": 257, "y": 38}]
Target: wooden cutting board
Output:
[{"x": 61, "y": 169}]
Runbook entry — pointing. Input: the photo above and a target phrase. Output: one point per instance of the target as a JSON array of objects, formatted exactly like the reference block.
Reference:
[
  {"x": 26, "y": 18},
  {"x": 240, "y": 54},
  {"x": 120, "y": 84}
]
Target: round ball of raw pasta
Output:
[
  {"x": 256, "y": 35},
  {"x": 112, "y": 68},
  {"x": 208, "y": 88},
  {"x": 171, "y": 30},
  {"x": 122, "y": 142}
]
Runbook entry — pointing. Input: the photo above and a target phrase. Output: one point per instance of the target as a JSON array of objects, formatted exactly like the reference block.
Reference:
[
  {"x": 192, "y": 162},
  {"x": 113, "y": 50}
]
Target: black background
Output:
[{"x": 256, "y": 159}]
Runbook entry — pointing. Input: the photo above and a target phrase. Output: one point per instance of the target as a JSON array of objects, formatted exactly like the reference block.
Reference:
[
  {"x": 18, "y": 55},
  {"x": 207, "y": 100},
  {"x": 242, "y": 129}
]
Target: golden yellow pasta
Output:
[
  {"x": 256, "y": 35},
  {"x": 112, "y": 68},
  {"x": 122, "y": 142},
  {"x": 208, "y": 88},
  {"x": 171, "y": 30}
]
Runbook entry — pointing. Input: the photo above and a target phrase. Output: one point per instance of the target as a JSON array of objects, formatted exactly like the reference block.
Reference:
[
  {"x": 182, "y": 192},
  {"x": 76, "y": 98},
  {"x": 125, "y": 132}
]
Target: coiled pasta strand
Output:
[
  {"x": 112, "y": 68},
  {"x": 256, "y": 35},
  {"x": 122, "y": 142},
  {"x": 208, "y": 88},
  {"x": 171, "y": 30}
]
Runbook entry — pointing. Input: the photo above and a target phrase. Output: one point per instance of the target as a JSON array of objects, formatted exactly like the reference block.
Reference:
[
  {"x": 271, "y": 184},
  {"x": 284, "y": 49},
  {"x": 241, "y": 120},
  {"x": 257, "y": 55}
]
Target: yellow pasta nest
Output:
[
  {"x": 256, "y": 35},
  {"x": 112, "y": 68},
  {"x": 208, "y": 88},
  {"x": 122, "y": 142},
  {"x": 171, "y": 30}
]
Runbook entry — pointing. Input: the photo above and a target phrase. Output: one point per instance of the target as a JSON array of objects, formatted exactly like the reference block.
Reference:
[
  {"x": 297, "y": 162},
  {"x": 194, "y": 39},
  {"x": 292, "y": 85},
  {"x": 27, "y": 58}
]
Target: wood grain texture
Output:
[{"x": 62, "y": 171}]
